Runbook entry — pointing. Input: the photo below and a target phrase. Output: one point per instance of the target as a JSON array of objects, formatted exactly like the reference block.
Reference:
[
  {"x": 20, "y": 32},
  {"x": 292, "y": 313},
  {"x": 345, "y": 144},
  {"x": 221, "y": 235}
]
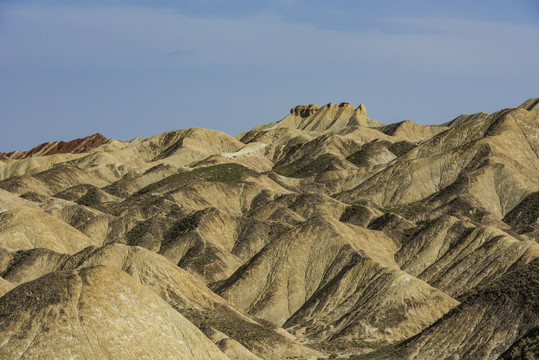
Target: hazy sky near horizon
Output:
[{"x": 71, "y": 68}]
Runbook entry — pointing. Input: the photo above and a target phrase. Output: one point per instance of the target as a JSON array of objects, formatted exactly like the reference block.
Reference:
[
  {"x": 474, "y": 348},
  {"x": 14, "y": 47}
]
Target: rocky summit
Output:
[{"x": 326, "y": 234}]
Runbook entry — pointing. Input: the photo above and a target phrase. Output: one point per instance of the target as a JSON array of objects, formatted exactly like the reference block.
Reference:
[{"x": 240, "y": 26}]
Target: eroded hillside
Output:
[{"x": 325, "y": 234}]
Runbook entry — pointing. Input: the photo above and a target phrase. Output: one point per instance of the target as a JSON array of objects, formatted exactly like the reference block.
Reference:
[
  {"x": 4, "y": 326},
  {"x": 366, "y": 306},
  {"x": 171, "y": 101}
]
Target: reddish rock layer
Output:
[{"x": 59, "y": 147}]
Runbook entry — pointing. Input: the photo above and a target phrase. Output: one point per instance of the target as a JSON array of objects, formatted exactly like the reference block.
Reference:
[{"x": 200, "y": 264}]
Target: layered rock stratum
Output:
[{"x": 326, "y": 234}]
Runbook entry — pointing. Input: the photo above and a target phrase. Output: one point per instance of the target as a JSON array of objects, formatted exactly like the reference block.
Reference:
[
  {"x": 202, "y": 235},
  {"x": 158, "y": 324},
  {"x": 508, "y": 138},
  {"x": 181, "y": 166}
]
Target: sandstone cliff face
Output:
[
  {"x": 322, "y": 118},
  {"x": 324, "y": 233}
]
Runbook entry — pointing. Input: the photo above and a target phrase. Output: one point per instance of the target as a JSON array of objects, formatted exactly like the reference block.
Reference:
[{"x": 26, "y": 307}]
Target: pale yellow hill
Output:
[
  {"x": 440, "y": 251},
  {"x": 213, "y": 244},
  {"x": 484, "y": 325},
  {"x": 54, "y": 180},
  {"x": 178, "y": 288},
  {"x": 33, "y": 165},
  {"x": 515, "y": 126},
  {"x": 531, "y": 105},
  {"x": 203, "y": 243},
  {"x": 5, "y": 286},
  {"x": 324, "y": 144},
  {"x": 494, "y": 161},
  {"x": 28, "y": 265},
  {"x": 181, "y": 147},
  {"x": 370, "y": 301},
  {"x": 295, "y": 272},
  {"x": 411, "y": 131},
  {"x": 10, "y": 201},
  {"x": 254, "y": 161},
  {"x": 135, "y": 181},
  {"x": 96, "y": 313},
  {"x": 328, "y": 117},
  {"x": 101, "y": 227},
  {"x": 27, "y": 228},
  {"x": 107, "y": 163},
  {"x": 466, "y": 117},
  {"x": 298, "y": 207},
  {"x": 277, "y": 136},
  {"x": 428, "y": 215},
  {"x": 233, "y": 198},
  {"x": 170, "y": 282}
]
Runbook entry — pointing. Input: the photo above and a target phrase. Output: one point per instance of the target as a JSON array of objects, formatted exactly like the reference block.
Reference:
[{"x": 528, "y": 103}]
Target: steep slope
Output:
[
  {"x": 441, "y": 250},
  {"x": 5, "y": 286},
  {"x": 523, "y": 217},
  {"x": 526, "y": 347},
  {"x": 10, "y": 201},
  {"x": 183, "y": 292},
  {"x": 494, "y": 161},
  {"x": 28, "y": 228},
  {"x": 348, "y": 233},
  {"x": 496, "y": 316},
  {"x": 410, "y": 131},
  {"x": 284, "y": 282},
  {"x": 95, "y": 313}
]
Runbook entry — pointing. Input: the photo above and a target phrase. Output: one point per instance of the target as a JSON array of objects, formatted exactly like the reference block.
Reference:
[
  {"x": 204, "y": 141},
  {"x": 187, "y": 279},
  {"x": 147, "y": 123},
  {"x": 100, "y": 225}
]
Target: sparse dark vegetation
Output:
[
  {"x": 301, "y": 199},
  {"x": 138, "y": 231},
  {"x": 525, "y": 213},
  {"x": 154, "y": 226},
  {"x": 336, "y": 347},
  {"x": 476, "y": 215},
  {"x": 154, "y": 168},
  {"x": 361, "y": 157},
  {"x": 407, "y": 235},
  {"x": 385, "y": 351},
  {"x": 73, "y": 193},
  {"x": 227, "y": 173},
  {"x": 402, "y": 147},
  {"x": 182, "y": 226},
  {"x": 27, "y": 195},
  {"x": 304, "y": 168},
  {"x": 33, "y": 196},
  {"x": 356, "y": 214},
  {"x": 90, "y": 198},
  {"x": 215, "y": 284},
  {"x": 200, "y": 260},
  {"x": 147, "y": 203},
  {"x": 520, "y": 286},
  {"x": 526, "y": 348},
  {"x": 229, "y": 324},
  {"x": 115, "y": 189},
  {"x": 45, "y": 172},
  {"x": 367, "y": 151},
  {"x": 409, "y": 211}
]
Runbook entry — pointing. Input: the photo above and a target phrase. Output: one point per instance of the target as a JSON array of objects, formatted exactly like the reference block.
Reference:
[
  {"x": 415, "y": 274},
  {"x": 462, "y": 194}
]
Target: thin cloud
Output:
[{"x": 112, "y": 37}]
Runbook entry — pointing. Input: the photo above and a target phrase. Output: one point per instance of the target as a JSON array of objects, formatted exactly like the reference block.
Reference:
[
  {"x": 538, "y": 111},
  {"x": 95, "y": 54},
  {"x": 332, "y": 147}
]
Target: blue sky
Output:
[{"x": 137, "y": 68}]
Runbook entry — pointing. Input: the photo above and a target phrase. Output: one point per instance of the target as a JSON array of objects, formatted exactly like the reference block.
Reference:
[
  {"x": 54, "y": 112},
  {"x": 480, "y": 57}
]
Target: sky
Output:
[{"x": 72, "y": 68}]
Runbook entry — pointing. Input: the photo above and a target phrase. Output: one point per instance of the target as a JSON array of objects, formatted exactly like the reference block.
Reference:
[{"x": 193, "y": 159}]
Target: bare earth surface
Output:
[{"x": 324, "y": 235}]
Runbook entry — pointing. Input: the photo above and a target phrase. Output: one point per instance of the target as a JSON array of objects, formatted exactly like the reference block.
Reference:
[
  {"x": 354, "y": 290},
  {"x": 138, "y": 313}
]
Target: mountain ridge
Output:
[{"x": 324, "y": 234}]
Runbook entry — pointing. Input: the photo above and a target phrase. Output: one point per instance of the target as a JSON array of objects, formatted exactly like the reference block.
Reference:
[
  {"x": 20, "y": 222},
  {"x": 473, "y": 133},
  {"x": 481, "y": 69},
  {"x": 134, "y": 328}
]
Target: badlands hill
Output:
[{"x": 324, "y": 235}]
